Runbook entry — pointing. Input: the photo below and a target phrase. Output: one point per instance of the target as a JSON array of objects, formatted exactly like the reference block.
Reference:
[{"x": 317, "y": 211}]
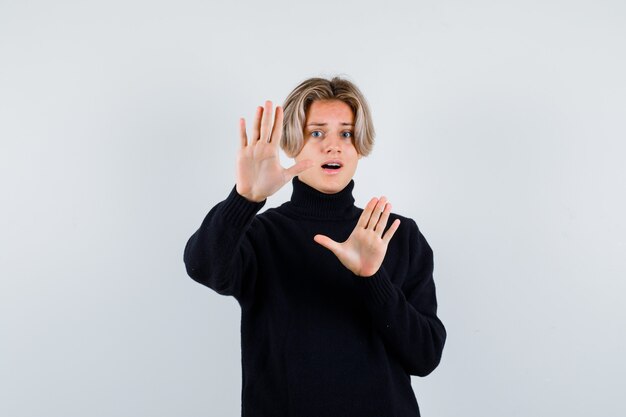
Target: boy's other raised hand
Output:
[{"x": 259, "y": 172}]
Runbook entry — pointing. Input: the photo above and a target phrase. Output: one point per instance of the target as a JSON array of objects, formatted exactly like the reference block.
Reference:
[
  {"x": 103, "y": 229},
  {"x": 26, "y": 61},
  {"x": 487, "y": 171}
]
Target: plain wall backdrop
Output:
[{"x": 500, "y": 131}]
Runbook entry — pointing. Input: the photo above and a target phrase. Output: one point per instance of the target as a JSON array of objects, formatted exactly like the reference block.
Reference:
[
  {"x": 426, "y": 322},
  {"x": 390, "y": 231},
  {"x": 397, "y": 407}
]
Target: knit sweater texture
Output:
[{"x": 316, "y": 339}]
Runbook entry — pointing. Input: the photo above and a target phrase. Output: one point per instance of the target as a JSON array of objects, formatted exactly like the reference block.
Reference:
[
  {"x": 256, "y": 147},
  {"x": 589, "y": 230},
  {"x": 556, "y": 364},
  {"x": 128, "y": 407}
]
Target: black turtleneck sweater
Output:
[{"x": 316, "y": 339}]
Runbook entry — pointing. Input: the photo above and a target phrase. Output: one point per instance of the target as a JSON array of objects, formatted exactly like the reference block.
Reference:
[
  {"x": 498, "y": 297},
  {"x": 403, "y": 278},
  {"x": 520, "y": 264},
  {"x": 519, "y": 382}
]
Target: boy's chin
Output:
[{"x": 328, "y": 187}]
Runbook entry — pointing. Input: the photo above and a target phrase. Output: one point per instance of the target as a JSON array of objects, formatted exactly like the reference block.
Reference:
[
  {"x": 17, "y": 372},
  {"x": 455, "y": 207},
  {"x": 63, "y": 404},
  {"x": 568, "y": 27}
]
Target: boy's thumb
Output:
[{"x": 327, "y": 242}]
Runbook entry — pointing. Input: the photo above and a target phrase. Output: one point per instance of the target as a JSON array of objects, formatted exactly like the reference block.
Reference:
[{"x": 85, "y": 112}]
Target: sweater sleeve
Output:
[
  {"x": 219, "y": 254},
  {"x": 406, "y": 317}
]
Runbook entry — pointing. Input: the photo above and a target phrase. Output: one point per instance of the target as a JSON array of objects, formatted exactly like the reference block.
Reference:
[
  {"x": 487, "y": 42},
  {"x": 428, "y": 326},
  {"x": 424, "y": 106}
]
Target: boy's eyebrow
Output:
[{"x": 324, "y": 124}]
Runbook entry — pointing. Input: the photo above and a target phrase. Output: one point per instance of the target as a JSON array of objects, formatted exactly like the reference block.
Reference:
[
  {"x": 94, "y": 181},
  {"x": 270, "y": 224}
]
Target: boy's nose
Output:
[{"x": 333, "y": 143}]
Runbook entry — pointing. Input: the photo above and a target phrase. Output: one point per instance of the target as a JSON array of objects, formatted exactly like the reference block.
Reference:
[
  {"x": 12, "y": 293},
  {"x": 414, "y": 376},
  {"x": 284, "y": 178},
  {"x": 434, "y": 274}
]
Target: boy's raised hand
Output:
[
  {"x": 365, "y": 249},
  {"x": 259, "y": 173}
]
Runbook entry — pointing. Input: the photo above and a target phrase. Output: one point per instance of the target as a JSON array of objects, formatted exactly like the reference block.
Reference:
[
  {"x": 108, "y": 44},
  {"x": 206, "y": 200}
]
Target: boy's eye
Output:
[
  {"x": 319, "y": 133},
  {"x": 345, "y": 134}
]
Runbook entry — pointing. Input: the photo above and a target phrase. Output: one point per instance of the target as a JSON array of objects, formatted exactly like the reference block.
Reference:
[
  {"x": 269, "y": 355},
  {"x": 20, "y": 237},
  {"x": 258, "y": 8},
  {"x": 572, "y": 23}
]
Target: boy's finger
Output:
[
  {"x": 256, "y": 125},
  {"x": 298, "y": 167},
  {"x": 382, "y": 222},
  {"x": 242, "y": 132},
  {"x": 391, "y": 231},
  {"x": 277, "y": 129},
  {"x": 328, "y": 243},
  {"x": 266, "y": 122},
  {"x": 367, "y": 212},
  {"x": 377, "y": 211}
]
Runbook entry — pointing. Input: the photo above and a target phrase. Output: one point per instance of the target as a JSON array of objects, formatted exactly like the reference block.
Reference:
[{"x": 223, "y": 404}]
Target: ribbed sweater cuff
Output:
[
  {"x": 238, "y": 210},
  {"x": 377, "y": 289}
]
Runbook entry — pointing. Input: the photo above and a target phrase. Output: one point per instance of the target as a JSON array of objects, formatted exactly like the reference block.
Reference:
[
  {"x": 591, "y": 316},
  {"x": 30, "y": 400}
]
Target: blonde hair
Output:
[{"x": 299, "y": 100}]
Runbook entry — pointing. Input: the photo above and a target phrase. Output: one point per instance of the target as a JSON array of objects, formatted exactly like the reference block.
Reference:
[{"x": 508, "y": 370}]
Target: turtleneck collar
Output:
[{"x": 306, "y": 201}]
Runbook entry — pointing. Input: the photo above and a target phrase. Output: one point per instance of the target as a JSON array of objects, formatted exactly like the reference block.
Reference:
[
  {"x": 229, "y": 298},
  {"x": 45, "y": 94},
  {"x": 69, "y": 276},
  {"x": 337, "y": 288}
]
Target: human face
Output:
[{"x": 329, "y": 136}]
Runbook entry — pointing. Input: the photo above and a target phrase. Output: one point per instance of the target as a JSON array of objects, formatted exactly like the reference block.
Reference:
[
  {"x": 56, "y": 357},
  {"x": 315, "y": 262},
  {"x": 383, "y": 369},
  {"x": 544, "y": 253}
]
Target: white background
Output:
[{"x": 500, "y": 130}]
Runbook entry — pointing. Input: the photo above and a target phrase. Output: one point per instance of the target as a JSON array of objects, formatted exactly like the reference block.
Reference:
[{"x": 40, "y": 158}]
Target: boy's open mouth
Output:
[{"x": 331, "y": 166}]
